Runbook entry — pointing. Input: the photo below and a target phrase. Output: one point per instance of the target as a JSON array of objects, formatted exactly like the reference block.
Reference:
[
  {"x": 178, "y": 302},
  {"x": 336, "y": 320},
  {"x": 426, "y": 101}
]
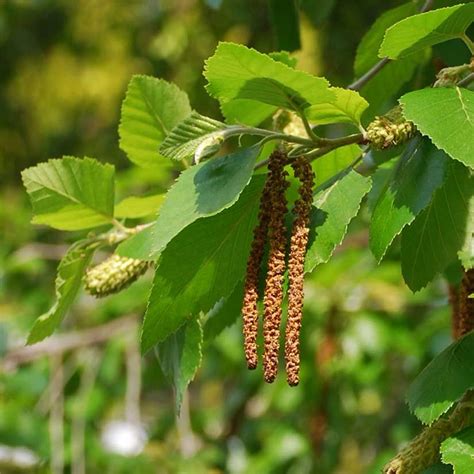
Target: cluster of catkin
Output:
[{"x": 271, "y": 227}]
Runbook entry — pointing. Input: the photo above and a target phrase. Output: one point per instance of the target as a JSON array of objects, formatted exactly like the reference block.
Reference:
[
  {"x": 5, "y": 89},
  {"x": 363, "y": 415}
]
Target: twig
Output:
[
  {"x": 56, "y": 415},
  {"x": 377, "y": 67},
  {"x": 56, "y": 345},
  {"x": 78, "y": 425},
  {"x": 189, "y": 443},
  {"x": 132, "y": 394},
  {"x": 466, "y": 81}
]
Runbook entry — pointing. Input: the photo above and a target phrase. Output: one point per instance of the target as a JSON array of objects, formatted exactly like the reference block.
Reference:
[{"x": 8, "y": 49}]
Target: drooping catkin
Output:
[
  {"x": 113, "y": 275},
  {"x": 249, "y": 305},
  {"x": 465, "y": 322},
  {"x": 299, "y": 241},
  {"x": 273, "y": 296}
]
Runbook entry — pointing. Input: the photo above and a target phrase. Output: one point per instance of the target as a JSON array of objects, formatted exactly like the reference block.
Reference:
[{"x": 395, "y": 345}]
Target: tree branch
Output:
[
  {"x": 377, "y": 67},
  {"x": 59, "y": 344}
]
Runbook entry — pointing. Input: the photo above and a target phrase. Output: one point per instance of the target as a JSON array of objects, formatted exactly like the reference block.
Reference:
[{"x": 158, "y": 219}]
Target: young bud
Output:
[
  {"x": 389, "y": 130},
  {"x": 113, "y": 275},
  {"x": 299, "y": 241}
]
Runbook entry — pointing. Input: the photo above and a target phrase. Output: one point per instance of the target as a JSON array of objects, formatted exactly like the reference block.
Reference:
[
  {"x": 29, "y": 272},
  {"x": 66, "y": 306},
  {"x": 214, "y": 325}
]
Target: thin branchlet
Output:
[{"x": 299, "y": 241}]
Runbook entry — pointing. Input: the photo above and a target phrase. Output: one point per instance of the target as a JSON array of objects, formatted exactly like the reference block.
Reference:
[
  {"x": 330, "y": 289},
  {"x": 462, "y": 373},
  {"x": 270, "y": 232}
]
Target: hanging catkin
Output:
[
  {"x": 249, "y": 306},
  {"x": 273, "y": 295},
  {"x": 465, "y": 322},
  {"x": 299, "y": 241}
]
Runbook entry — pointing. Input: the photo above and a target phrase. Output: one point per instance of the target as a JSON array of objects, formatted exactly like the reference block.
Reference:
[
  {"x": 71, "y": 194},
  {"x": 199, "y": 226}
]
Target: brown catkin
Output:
[
  {"x": 249, "y": 305},
  {"x": 273, "y": 296},
  {"x": 465, "y": 320},
  {"x": 299, "y": 241}
]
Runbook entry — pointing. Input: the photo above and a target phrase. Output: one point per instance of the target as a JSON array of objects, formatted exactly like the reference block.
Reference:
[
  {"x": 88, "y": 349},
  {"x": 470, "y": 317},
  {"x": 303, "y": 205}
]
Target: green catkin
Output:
[
  {"x": 389, "y": 130},
  {"x": 113, "y": 275},
  {"x": 423, "y": 451}
]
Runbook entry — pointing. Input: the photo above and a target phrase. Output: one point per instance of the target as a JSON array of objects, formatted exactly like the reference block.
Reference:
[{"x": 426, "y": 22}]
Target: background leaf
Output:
[
  {"x": 68, "y": 281},
  {"x": 152, "y": 107},
  {"x": 200, "y": 266},
  {"x": 426, "y": 29},
  {"x": 259, "y": 83},
  {"x": 183, "y": 140},
  {"x": 435, "y": 237},
  {"x": 392, "y": 77},
  {"x": 419, "y": 172},
  {"x": 446, "y": 115},
  {"x": 443, "y": 381},
  {"x": 286, "y": 25},
  {"x": 71, "y": 193},
  {"x": 180, "y": 356},
  {"x": 458, "y": 450},
  {"x": 200, "y": 191},
  {"x": 333, "y": 209},
  {"x": 134, "y": 207}
]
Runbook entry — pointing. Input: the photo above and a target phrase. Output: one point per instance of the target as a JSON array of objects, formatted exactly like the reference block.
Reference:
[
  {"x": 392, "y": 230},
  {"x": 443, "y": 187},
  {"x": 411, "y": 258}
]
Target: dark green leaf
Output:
[
  {"x": 180, "y": 356},
  {"x": 442, "y": 230},
  {"x": 200, "y": 266},
  {"x": 71, "y": 193},
  {"x": 446, "y": 115},
  {"x": 419, "y": 172},
  {"x": 443, "y": 381},
  {"x": 151, "y": 109},
  {"x": 68, "y": 281},
  {"x": 224, "y": 313},
  {"x": 333, "y": 209},
  {"x": 201, "y": 191}
]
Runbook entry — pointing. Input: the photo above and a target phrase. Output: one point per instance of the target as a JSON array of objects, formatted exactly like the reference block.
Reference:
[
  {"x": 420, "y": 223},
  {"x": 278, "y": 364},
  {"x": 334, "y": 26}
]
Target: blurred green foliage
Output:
[{"x": 63, "y": 71}]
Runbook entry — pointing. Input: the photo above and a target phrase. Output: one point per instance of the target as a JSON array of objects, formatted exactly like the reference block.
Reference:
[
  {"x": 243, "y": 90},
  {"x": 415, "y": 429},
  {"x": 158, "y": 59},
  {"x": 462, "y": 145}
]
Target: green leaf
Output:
[
  {"x": 334, "y": 162},
  {"x": 71, "y": 193},
  {"x": 420, "y": 171},
  {"x": 200, "y": 191},
  {"x": 151, "y": 109},
  {"x": 68, "y": 281},
  {"x": 446, "y": 115},
  {"x": 135, "y": 207},
  {"x": 200, "y": 266},
  {"x": 284, "y": 57},
  {"x": 224, "y": 313},
  {"x": 333, "y": 209},
  {"x": 458, "y": 450},
  {"x": 180, "y": 356},
  {"x": 392, "y": 77},
  {"x": 435, "y": 237},
  {"x": 189, "y": 134},
  {"x": 348, "y": 106},
  {"x": 260, "y": 84},
  {"x": 286, "y": 25},
  {"x": 426, "y": 29},
  {"x": 443, "y": 381}
]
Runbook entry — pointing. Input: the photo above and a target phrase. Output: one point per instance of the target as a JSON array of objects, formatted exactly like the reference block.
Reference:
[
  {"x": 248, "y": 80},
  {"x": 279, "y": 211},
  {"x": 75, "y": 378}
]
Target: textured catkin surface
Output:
[
  {"x": 254, "y": 262},
  {"x": 423, "y": 451},
  {"x": 390, "y": 130},
  {"x": 273, "y": 295},
  {"x": 465, "y": 322},
  {"x": 113, "y": 275},
  {"x": 299, "y": 241}
]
